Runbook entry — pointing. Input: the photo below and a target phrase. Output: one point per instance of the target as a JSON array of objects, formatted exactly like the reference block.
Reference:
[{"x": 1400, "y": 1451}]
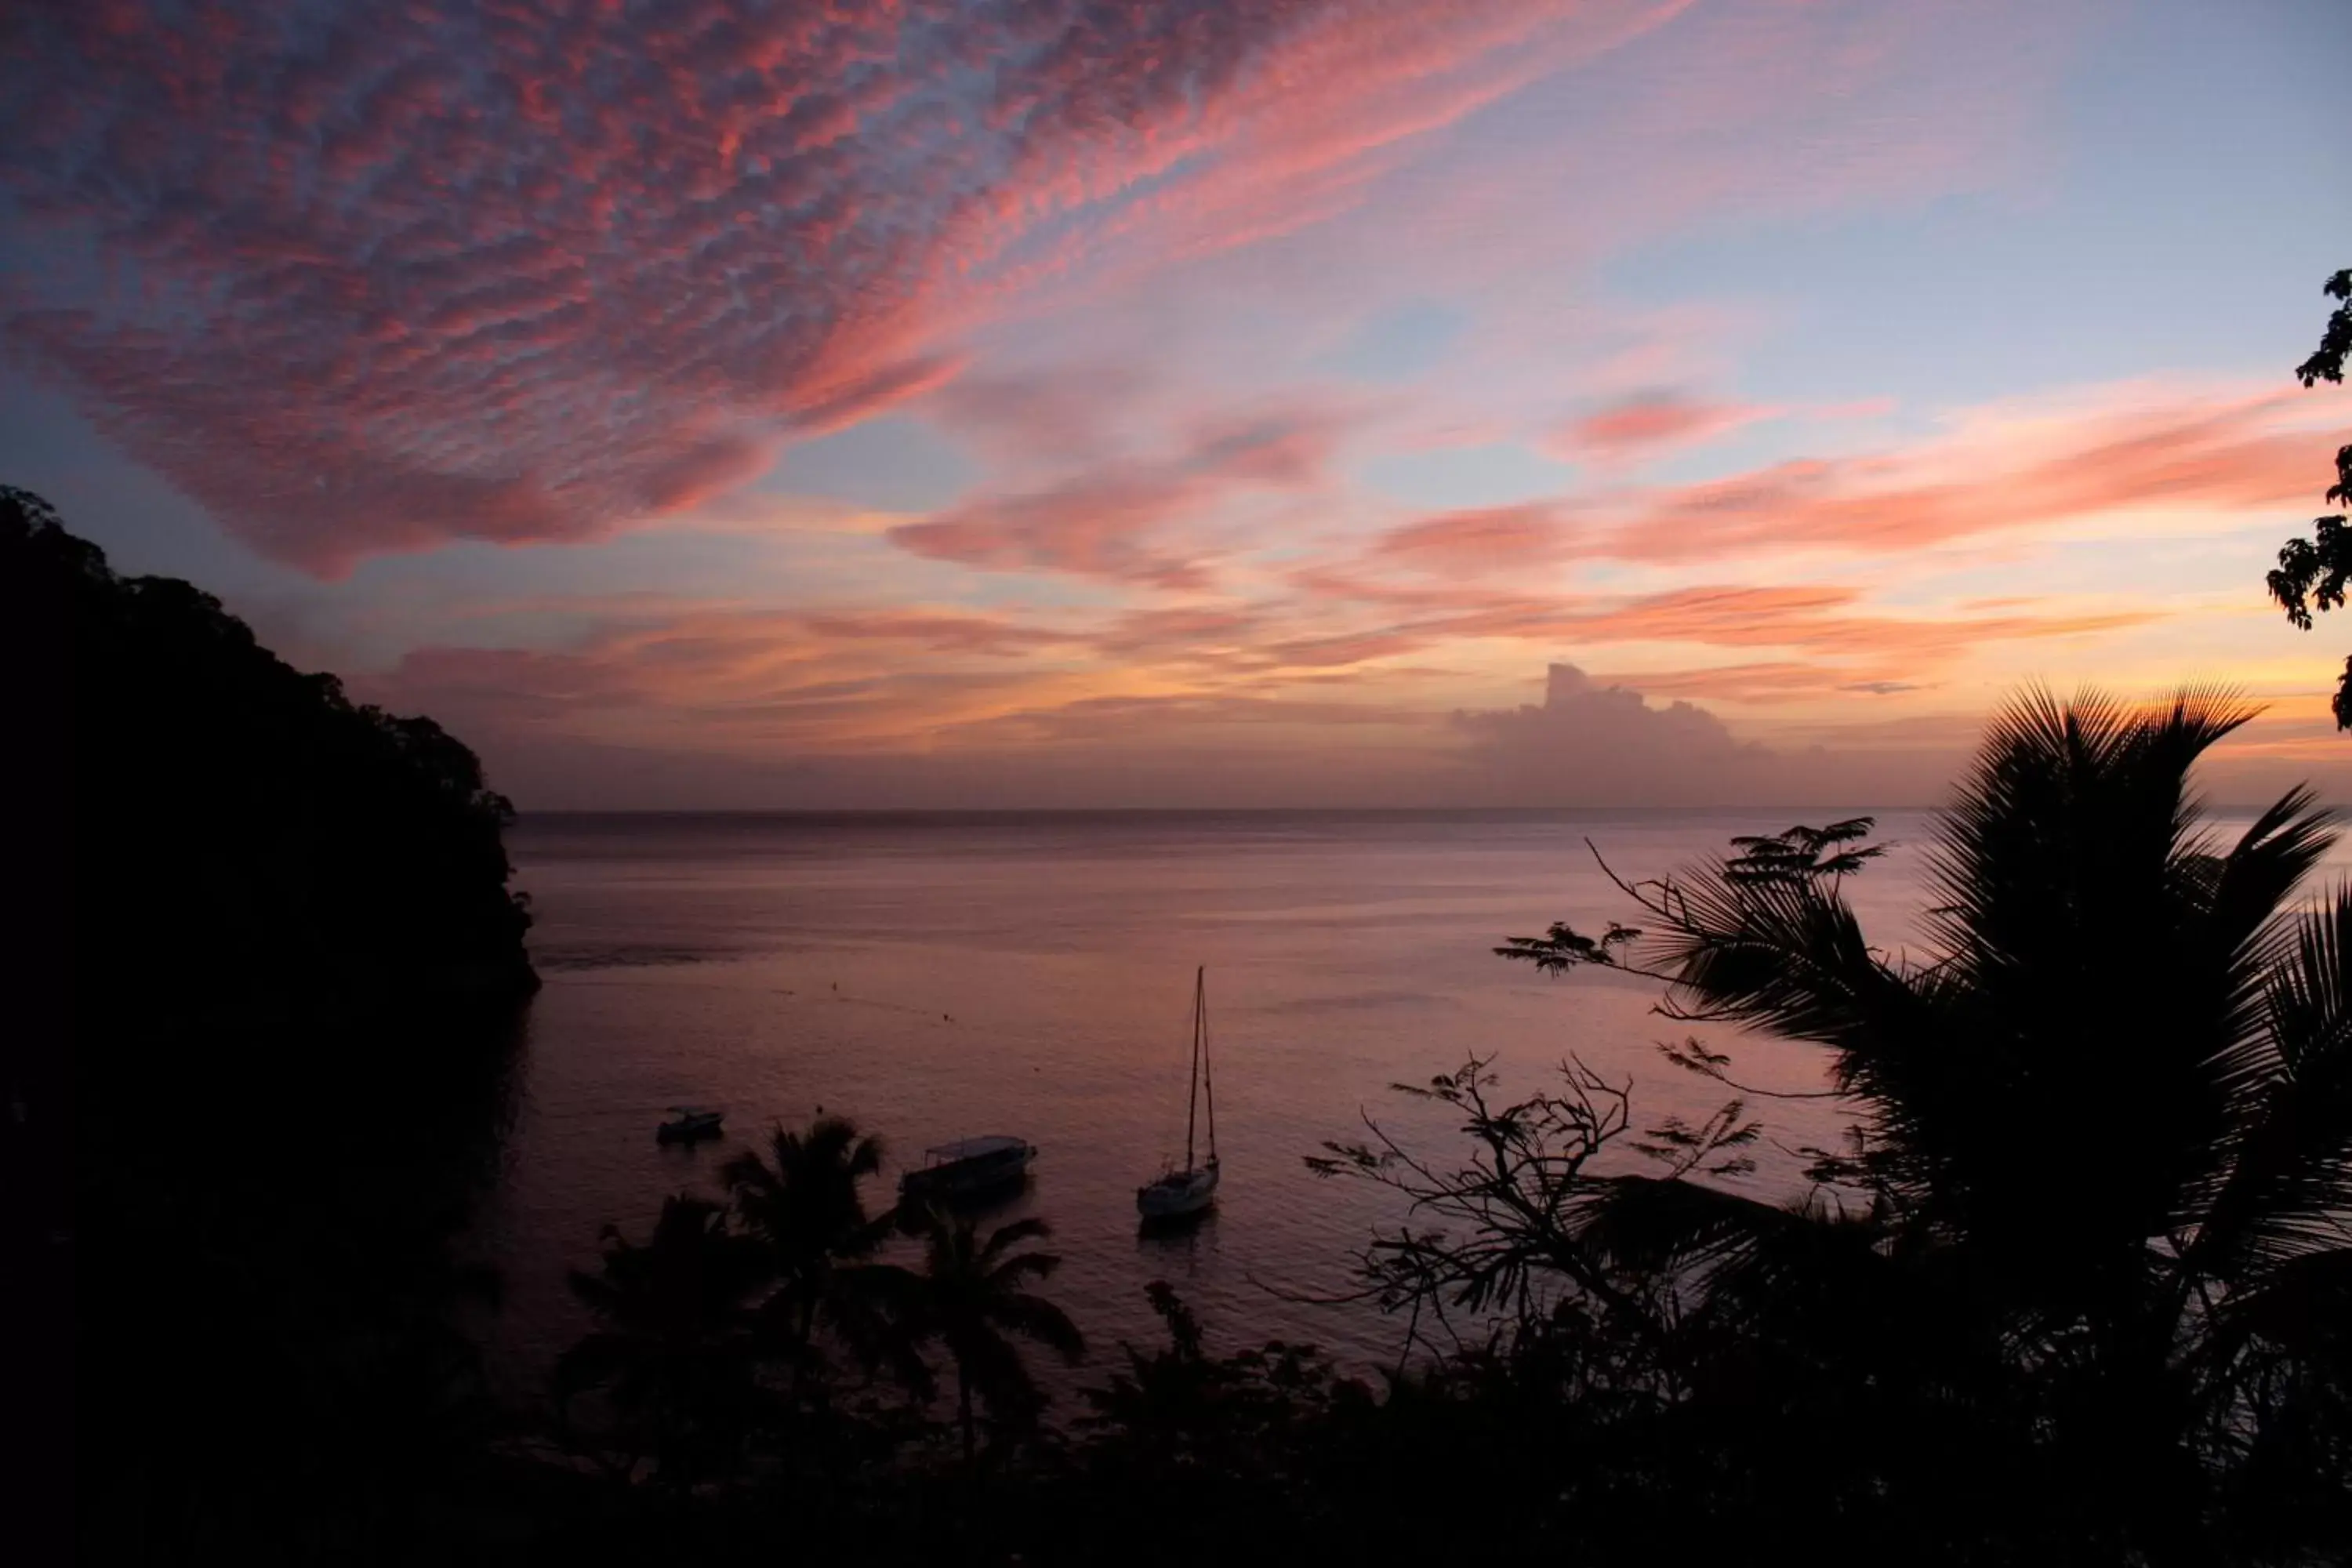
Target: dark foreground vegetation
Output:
[
  {"x": 2077, "y": 1290},
  {"x": 2312, "y": 572}
]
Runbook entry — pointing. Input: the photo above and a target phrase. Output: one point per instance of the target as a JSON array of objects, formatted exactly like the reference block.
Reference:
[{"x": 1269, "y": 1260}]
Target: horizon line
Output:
[{"x": 928, "y": 812}]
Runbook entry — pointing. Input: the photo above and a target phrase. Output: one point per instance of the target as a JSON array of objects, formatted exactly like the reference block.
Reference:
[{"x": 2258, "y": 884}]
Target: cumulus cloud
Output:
[{"x": 1592, "y": 744}]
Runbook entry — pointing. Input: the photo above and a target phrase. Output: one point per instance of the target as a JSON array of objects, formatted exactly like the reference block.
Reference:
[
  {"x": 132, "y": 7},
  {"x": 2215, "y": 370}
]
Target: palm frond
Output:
[
  {"x": 2289, "y": 1187},
  {"x": 1783, "y": 955},
  {"x": 1033, "y": 1317},
  {"x": 2269, "y": 861},
  {"x": 1021, "y": 1265},
  {"x": 991, "y": 1365},
  {"x": 747, "y": 1172},
  {"x": 1007, "y": 1237},
  {"x": 2102, "y": 962},
  {"x": 880, "y": 1311},
  {"x": 835, "y": 1142},
  {"x": 2071, "y": 807},
  {"x": 2302, "y": 1306},
  {"x": 1653, "y": 1223},
  {"x": 2252, "y": 940}
]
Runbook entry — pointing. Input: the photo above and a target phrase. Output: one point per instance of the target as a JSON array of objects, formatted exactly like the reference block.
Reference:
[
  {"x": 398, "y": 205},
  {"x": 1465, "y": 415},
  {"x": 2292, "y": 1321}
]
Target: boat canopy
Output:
[{"x": 975, "y": 1148}]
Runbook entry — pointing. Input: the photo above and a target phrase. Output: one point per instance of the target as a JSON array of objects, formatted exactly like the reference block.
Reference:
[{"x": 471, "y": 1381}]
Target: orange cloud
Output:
[
  {"x": 1823, "y": 619},
  {"x": 743, "y": 682},
  {"x": 743, "y": 711}
]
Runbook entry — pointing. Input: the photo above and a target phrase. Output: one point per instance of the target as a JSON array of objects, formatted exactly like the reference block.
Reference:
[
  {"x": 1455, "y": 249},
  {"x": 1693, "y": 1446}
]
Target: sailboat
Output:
[{"x": 1192, "y": 1188}]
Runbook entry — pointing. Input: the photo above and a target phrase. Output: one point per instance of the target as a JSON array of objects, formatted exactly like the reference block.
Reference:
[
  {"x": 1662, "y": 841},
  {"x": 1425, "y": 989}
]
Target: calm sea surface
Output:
[{"x": 940, "y": 977}]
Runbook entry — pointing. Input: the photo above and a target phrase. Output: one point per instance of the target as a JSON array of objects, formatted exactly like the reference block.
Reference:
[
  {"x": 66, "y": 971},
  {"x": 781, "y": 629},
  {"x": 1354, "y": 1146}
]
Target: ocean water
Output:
[{"x": 939, "y": 977}]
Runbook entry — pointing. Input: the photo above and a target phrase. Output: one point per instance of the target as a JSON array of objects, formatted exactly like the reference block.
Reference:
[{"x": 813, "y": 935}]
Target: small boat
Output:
[
  {"x": 969, "y": 1167},
  {"x": 690, "y": 1125},
  {"x": 1177, "y": 1193}
]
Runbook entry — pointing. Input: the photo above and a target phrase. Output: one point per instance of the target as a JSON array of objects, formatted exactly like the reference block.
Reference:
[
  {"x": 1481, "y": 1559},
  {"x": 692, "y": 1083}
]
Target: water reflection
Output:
[{"x": 936, "y": 980}]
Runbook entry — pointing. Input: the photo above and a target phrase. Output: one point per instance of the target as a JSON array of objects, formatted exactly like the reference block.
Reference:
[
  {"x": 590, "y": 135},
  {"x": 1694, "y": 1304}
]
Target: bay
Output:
[{"x": 940, "y": 976}]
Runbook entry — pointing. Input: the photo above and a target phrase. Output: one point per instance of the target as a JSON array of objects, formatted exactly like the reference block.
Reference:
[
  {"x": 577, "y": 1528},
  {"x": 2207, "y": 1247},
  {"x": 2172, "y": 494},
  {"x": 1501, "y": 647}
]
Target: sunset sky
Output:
[{"x": 1055, "y": 403}]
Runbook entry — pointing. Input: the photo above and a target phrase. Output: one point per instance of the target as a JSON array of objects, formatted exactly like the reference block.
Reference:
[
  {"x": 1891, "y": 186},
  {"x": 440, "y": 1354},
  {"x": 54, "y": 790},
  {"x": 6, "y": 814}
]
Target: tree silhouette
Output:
[
  {"x": 2102, "y": 1159},
  {"x": 673, "y": 1354},
  {"x": 2312, "y": 572},
  {"x": 1189, "y": 1436},
  {"x": 1809, "y": 853},
  {"x": 803, "y": 1203},
  {"x": 970, "y": 1298},
  {"x": 288, "y": 846}
]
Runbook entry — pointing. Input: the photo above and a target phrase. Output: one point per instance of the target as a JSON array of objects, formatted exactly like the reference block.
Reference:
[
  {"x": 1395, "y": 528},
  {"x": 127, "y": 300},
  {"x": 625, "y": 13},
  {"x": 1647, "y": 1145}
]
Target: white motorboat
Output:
[{"x": 969, "y": 1167}]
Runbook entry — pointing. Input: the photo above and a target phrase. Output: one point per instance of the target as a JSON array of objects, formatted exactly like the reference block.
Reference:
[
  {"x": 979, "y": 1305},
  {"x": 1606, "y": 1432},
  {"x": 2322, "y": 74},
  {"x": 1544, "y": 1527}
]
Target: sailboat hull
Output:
[{"x": 1178, "y": 1193}]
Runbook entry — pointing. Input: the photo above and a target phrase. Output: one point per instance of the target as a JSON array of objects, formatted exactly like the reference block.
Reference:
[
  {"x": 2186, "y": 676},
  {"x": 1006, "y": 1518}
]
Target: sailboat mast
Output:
[
  {"x": 1192, "y": 1101},
  {"x": 1208, "y": 1088}
]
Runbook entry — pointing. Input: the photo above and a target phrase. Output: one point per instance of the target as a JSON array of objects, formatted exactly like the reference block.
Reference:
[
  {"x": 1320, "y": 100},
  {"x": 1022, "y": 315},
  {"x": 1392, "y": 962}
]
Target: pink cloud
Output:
[
  {"x": 825, "y": 406},
  {"x": 740, "y": 681},
  {"x": 1995, "y": 474},
  {"x": 1999, "y": 470},
  {"x": 384, "y": 276},
  {"x": 938, "y": 631},
  {"x": 1826, "y": 620},
  {"x": 1819, "y": 618},
  {"x": 1649, "y": 423},
  {"x": 1479, "y": 541},
  {"x": 1035, "y": 414},
  {"x": 1118, "y": 521},
  {"x": 1100, "y": 527}
]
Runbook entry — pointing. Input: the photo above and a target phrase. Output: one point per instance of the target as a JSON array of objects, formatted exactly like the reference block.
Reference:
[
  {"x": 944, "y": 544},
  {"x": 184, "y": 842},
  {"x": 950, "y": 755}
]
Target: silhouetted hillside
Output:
[
  {"x": 265, "y": 968},
  {"x": 244, "y": 833}
]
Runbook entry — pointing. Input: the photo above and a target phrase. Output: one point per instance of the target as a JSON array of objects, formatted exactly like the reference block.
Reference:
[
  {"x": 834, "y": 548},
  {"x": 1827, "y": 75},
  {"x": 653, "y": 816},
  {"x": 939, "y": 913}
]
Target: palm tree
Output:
[
  {"x": 804, "y": 1204},
  {"x": 2103, "y": 1129},
  {"x": 672, "y": 1353},
  {"x": 969, "y": 1298}
]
